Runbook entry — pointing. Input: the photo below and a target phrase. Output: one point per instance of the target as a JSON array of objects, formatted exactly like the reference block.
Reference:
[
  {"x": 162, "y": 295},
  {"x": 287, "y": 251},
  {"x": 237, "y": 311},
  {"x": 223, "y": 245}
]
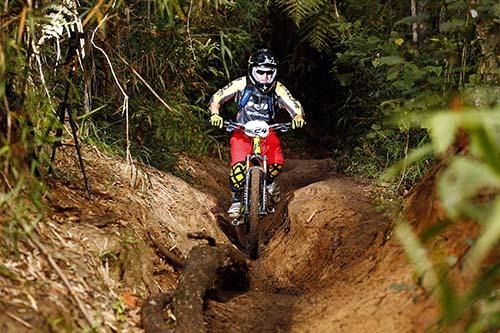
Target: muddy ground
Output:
[{"x": 328, "y": 262}]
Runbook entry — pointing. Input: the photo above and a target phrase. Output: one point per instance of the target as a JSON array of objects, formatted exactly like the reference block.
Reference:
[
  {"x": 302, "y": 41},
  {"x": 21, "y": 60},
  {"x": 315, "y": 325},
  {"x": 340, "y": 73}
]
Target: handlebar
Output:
[{"x": 231, "y": 126}]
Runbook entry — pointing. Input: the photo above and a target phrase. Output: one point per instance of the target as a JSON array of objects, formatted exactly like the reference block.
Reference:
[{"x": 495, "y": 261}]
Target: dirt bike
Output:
[{"x": 254, "y": 204}]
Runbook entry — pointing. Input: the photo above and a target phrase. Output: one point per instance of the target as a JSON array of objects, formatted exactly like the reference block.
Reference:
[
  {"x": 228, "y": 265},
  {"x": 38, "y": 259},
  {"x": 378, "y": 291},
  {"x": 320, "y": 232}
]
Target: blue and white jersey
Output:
[{"x": 259, "y": 106}]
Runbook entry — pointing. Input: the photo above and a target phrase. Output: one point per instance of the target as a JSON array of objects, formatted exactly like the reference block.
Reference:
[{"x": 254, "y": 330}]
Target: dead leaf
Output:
[{"x": 129, "y": 300}]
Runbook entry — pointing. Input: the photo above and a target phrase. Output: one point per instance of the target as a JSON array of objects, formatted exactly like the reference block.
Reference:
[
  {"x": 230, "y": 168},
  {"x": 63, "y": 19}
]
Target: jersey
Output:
[{"x": 258, "y": 106}]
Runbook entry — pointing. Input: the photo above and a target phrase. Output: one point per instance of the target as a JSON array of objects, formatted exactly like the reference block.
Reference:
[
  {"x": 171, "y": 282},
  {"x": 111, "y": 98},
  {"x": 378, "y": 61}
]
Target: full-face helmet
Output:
[{"x": 262, "y": 70}]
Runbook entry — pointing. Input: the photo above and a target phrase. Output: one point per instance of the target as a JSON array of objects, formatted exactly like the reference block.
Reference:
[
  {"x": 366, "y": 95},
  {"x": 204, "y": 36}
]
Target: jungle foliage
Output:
[
  {"x": 386, "y": 62},
  {"x": 144, "y": 68},
  {"x": 136, "y": 76},
  {"x": 419, "y": 81}
]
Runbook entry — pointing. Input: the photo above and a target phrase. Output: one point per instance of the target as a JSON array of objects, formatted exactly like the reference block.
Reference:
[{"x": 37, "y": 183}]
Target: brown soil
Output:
[
  {"x": 332, "y": 266},
  {"x": 329, "y": 262}
]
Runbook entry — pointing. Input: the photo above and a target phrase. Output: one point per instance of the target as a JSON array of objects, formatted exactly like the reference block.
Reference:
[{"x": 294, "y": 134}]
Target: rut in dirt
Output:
[{"x": 319, "y": 236}]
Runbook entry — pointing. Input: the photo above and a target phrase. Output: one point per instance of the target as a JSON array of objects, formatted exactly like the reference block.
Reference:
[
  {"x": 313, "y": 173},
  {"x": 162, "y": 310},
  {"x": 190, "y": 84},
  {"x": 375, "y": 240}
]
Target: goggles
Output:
[
  {"x": 263, "y": 75},
  {"x": 267, "y": 72}
]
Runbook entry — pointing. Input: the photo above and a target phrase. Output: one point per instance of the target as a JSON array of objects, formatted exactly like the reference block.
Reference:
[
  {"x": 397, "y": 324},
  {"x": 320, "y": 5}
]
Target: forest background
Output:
[{"x": 390, "y": 87}]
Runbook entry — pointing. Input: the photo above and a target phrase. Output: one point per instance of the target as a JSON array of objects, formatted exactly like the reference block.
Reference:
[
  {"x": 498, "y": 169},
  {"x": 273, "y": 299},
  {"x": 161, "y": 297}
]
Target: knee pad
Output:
[
  {"x": 237, "y": 176},
  {"x": 273, "y": 170}
]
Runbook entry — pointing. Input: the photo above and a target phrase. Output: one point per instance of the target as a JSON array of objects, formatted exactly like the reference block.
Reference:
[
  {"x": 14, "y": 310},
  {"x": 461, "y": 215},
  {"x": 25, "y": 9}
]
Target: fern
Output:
[
  {"x": 319, "y": 30},
  {"x": 299, "y": 10},
  {"x": 317, "y": 20},
  {"x": 59, "y": 18}
]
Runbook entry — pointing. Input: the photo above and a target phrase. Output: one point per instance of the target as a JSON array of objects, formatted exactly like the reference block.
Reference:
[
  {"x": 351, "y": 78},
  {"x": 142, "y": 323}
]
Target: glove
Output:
[
  {"x": 216, "y": 120},
  {"x": 298, "y": 121}
]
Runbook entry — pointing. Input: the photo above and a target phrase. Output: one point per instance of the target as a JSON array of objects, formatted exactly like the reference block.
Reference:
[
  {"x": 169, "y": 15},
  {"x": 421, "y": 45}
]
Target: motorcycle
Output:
[{"x": 255, "y": 202}]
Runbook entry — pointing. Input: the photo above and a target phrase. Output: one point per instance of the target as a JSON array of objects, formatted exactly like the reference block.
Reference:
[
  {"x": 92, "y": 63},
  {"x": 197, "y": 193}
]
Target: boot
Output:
[
  {"x": 274, "y": 192},
  {"x": 234, "y": 210}
]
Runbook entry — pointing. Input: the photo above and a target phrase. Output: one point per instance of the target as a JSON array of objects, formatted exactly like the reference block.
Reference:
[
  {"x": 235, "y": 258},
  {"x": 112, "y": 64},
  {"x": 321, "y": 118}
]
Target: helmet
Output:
[{"x": 262, "y": 70}]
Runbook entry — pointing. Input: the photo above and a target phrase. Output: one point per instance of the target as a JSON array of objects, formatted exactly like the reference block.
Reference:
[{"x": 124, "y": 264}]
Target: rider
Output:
[{"x": 258, "y": 95}]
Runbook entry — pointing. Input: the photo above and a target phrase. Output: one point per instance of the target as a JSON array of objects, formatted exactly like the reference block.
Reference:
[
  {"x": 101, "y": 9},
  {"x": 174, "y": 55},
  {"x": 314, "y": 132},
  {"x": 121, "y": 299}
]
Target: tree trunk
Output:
[
  {"x": 414, "y": 26},
  {"x": 207, "y": 268},
  {"x": 488, "y": 34},
  {"x": 152, "y": 313}
]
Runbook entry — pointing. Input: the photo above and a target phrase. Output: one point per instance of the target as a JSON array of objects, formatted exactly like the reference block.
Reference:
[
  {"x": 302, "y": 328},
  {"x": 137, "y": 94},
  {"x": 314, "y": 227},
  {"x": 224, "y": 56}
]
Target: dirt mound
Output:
[
  {"x": 103, "y": 245},
  {"x": 300, "y": 173},
  {"x": 337, "y": 252},
  {"x": 331, "y": 226}
]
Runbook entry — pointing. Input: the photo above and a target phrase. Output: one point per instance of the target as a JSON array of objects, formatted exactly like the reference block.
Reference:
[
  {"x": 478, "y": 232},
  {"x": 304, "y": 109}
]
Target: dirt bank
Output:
[
  {"x": 103, "y": 245},
  {"x": 330, "y": 267},
  {"x": 328, "y": 262}
]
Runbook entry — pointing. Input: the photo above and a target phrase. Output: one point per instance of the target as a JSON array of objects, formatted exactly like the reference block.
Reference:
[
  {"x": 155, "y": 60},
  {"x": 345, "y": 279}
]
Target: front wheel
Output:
[{"x": 253, "y": 216}]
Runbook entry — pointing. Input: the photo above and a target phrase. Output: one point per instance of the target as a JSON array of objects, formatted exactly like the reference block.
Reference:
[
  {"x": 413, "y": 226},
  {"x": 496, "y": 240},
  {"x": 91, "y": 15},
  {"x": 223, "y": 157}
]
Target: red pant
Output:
[{"x": 241, "y": 146}]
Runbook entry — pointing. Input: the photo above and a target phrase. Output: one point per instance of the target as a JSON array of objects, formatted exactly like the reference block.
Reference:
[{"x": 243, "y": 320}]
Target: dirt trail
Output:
[{"x": 329, "y": 265}]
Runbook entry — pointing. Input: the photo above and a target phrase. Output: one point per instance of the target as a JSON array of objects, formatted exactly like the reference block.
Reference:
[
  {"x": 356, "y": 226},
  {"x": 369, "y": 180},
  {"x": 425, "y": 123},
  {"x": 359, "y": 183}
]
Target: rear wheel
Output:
[{"x": 253, "y": 216}]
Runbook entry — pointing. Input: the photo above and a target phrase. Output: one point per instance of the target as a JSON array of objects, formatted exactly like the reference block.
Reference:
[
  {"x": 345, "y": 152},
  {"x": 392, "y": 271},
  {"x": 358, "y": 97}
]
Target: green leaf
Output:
[
  {"x": 391, "y": 60},
  {"x": 435, "y": 229},
  {"x": 417, "y": 254},
  {"x": 4, "y": 150},
  {"x": 299, "y": 10},
  {"x": 462, "y": 180},
  {"x": 443, "y": 127},
  {"x": 483, "y": 143},
  {"x": 344, "y": 79},
  {"x": 405, "y": 84},
  {"x": 434, "y": 69},
  {"x": 473, "y": 79},
  {"x": 454, "y": 25},
  {"x": 487, "y": 240},
  {"x": 412, "y": 72},
  {"x": 483, "y": 291},
  {"x": 392, "y": 73}
]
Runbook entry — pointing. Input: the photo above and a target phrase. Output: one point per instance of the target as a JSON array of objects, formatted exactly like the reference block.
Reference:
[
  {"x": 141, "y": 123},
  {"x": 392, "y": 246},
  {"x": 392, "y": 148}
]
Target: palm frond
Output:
[
  {"x": 317, "y": 20},
  {"x": 299, "y": 10},
  {"x": 319, "y": 30}
]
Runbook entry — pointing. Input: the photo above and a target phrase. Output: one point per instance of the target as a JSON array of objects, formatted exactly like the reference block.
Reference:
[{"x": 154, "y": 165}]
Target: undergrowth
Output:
[
  {"x": 139, "y": 90},
  {"x": 418, "y": 85}
]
